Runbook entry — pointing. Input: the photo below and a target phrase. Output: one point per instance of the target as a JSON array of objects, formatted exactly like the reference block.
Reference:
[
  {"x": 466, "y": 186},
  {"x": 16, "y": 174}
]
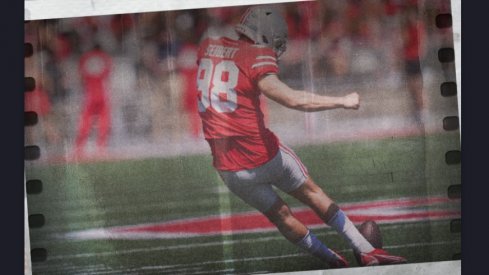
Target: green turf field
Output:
[{"x": 105, "y": 194}]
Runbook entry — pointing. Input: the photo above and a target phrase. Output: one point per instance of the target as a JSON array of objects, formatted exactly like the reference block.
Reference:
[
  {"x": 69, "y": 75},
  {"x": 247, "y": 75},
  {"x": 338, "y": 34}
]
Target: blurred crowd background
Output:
[{"x": 144, "y": 94}]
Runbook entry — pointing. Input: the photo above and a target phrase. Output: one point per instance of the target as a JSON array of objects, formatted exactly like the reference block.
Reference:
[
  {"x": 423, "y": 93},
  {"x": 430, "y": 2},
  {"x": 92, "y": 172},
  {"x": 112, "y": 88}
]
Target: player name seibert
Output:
[{"x": 220, "y": 51}]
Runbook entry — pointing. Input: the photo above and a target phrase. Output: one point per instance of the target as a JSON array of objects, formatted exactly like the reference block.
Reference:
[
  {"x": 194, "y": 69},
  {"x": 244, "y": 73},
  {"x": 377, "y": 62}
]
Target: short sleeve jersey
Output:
[{"x": 229, "y": 102}]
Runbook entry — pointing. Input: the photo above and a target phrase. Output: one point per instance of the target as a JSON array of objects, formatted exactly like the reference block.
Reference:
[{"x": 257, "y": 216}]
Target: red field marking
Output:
[
  {"x": 242, "y": 223},
  {"x": 383, "y": 212}
]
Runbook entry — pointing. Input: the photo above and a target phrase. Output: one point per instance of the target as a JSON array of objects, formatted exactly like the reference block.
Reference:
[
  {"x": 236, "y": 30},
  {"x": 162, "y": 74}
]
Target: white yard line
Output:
[
  {"x": 118, "y": 232},
  {"x": 303, "y": 254},
  {"x": 171, "y": 247},
  {"x": 200, "y": 245},
  {"x": 213, "y": 271},
  {"x": 187, "y": 267}
]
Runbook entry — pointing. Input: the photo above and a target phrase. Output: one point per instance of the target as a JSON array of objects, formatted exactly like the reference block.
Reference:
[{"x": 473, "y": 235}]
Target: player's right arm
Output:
[{"x": 273, "y": 88}]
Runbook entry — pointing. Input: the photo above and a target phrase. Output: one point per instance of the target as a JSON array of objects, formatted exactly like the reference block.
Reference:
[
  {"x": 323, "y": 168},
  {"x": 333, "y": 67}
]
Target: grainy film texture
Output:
[{"x": 120, "y": 177}]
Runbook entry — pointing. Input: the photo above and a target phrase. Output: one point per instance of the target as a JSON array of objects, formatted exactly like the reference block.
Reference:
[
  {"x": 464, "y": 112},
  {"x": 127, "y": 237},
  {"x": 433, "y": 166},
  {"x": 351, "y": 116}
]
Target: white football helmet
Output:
[{"x": 264, "y": 25}]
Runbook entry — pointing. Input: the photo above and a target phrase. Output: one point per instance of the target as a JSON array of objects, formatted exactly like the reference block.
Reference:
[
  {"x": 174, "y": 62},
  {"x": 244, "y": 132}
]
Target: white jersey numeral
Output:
[
  {"x": 216, "y": 85},
  {"x": 203, "y": 83}
]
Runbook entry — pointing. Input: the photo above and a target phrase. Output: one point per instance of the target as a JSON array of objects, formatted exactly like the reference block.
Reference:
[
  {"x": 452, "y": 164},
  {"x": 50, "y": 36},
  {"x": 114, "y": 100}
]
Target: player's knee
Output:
[
  {"x": 311, "y": 189},
  {"x": 279, "y": 214}
]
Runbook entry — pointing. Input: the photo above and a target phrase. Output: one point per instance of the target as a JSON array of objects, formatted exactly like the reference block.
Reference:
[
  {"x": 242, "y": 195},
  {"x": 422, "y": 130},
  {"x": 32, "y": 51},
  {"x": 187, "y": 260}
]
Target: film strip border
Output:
[
  {"x": 32, "y": 153},
  {"x": 446, "y": 56}
]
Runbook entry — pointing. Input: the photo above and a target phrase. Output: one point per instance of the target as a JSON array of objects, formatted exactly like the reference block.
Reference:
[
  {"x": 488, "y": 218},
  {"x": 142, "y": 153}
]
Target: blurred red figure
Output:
[
  {"x": 95, "y": 68},
  {"x": 187, "y": 63},
  {"x": 37, "y": 101}
]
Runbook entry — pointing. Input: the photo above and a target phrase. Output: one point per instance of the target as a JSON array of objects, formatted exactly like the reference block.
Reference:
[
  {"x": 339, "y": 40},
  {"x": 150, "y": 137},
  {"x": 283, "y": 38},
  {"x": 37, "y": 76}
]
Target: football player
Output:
[
  {"x": 95, "y": 68},
  {"x": 247, "y": 155}
]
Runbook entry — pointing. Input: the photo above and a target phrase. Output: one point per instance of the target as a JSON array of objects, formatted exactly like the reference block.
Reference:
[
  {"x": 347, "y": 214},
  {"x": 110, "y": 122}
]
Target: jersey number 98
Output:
[{"x": 216, "y": 86}]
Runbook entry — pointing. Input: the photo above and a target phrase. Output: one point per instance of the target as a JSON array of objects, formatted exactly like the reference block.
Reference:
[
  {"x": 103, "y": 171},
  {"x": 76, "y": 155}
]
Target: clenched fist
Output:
[{"x": 351, "y": 101}]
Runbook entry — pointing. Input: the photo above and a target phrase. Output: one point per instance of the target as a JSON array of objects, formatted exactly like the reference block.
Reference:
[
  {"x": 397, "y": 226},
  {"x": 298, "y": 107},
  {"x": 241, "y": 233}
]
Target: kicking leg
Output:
[
  {"x": 247, "y": 185},
  {"x": 312, "y": 195},
  {"x": 297, "y": 233},
  {"x": 281, "y": 216},
  {"x": 299, "y": 184}
]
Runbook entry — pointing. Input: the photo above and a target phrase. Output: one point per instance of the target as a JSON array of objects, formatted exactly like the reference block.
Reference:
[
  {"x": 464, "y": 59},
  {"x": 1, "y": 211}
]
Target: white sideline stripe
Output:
[
  {"x": 207, "y": 271},
  {"x": 264, "y": 64},
  {"x": 176, "y": 205},
  {"x": 104, "y": 235},
  {"x": 162, "y": 248},
  {"x": 150, "y": 269},
  {"x": 186, "y": 267},
  {"x": 217, "y": 243},
  {"x": 76, "y": 269},
  {"x": 101, "y": 233},
  {"x": 304, "y": 254}
]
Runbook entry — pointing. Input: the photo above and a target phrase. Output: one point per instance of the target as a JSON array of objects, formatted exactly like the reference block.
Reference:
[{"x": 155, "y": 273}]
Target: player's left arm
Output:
[{"x": 273, "y": 88}]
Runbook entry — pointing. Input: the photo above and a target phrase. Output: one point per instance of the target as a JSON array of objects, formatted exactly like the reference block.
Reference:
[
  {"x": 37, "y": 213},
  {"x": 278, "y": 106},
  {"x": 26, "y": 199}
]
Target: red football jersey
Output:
[
  {"x": 95, "y": 68},
  {"x": 229, "y": 104}
]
